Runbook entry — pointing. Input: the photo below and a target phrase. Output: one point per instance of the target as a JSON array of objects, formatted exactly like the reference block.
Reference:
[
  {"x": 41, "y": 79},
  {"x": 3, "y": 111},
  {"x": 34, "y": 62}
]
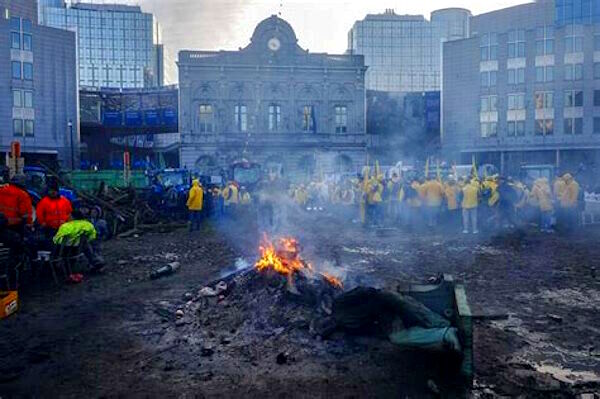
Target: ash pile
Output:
[{"x": 286, "y": 307}]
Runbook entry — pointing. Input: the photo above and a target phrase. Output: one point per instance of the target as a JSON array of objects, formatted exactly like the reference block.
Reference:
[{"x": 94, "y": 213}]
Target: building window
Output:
[
  {"x": 573, "y": 71},
  {"x": 28, "y": 128},
  {"x": 573, "y": 126},
  {"x": 544, "y": 127},
  {"x": 16, "y": 70},
  {"x": 341, "y": 119},
  {"x": 15, "y": 24},
  {"x": 17, "y": 99},
  {"x": 516, "y": 43},
  {"x": 274, "y": 117},
  {"x": 573, "y": 39},
  {"x": 597, "y": 70},
  {"x": 308, "y": 119},
  {"x": 489, "y": 47},
  {"x": 489, "y": 103},
  {"x": 597, "y": 43},
  {"x": 241, "y": 118},
  {"x": 596, "y": 98},
  {"x": 488, "y": 79},
  {"x": 18, "y": 127},
  {"x": 489, "y": 129},
  {"x": 573, "y": 98},
  {"x": 544, "y": 74},
  {"x": 26, "y": 25},
  {"x": 596, "y": 125},
  {"x": 516, "y": 128},
  {"x": 544, "y": 99},
  {"x": 205, "y": 118},
  {"x": 27, "y": 42},
  {"x": 15, "y": 40},
  {"x": 516, "y": 76},
  {"x": 544, "y": 43},
  {"x": 28, "y": 99},
  {"x": 516, "y": 101},
  {"x": 27, "y": 71}
]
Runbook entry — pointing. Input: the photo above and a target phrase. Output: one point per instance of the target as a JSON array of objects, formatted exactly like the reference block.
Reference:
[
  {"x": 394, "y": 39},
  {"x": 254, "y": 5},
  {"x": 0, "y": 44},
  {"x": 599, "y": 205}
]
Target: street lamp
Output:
[{"x": 70, "y": 124}]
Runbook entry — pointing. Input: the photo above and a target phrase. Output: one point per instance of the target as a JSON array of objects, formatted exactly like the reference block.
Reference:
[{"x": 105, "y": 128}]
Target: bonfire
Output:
[{"x": 282, "y": 256}]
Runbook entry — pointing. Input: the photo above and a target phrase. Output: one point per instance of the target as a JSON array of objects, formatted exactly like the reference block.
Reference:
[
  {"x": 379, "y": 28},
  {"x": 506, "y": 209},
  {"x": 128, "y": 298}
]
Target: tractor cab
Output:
[
  {"x": 246, "y": 173},
  {"x": 36, "y": 182}
]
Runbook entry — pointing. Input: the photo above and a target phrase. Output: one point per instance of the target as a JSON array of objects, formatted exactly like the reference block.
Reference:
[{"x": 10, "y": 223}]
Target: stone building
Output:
[{"x": 273, "y": 102}]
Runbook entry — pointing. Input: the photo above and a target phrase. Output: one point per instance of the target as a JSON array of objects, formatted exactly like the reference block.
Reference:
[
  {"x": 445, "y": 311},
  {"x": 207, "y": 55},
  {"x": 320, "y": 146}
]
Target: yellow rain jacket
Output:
[
  {"x": 301, "y": 196},
  {"x": 471, "y": 196},
  {"x": 434, "y": 193},
  {"x": 451, "y": 194},
  {"x": 570, "y": 194},
  {"x": 559, "y": 188},
  {"x": 195, "y": 197},
  {"x": 70, "y": 233},
  {"x": 415, "y": 201},
  {"x": 492, "y": 185},
  {"x": 375, "y": 191},
  {"x": 245, "y": 198},
  {"x": 230, "y": 194},
  {"x": 541, "y": 195}
]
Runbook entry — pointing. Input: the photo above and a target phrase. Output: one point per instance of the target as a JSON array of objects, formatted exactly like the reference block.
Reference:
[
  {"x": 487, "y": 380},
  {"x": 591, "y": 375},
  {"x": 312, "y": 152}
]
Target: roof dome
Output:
[{"x": 274, "y": 27}]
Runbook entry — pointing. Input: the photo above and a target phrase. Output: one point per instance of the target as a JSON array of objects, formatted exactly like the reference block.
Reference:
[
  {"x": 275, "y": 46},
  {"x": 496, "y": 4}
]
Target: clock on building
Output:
[{"x": 274, "y": 44}]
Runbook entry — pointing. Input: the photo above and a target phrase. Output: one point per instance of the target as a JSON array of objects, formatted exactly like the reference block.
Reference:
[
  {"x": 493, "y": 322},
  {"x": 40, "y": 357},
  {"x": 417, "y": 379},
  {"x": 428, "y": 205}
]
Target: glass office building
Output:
[
  {"x": 577, "y": 12},
  {"x": 118, "y": 45},
  {"x": 404, "y": 52}
]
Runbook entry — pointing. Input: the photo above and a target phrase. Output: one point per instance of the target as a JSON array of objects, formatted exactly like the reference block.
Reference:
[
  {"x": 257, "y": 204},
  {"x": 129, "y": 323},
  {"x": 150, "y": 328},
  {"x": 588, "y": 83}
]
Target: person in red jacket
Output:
[
  {"x": 15, "y": 204},
  {"x": 53, "y": 210}
]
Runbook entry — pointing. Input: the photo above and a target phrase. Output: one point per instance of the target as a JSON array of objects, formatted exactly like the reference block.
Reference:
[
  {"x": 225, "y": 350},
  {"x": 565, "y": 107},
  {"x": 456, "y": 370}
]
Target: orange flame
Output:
[
  {"x": 336, "y": 282},
  {"x": 283, "y": 257}
]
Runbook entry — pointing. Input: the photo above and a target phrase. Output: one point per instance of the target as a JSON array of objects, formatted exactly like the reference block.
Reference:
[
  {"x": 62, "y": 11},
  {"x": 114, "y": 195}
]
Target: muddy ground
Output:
[{"x": 535, "y": 298}]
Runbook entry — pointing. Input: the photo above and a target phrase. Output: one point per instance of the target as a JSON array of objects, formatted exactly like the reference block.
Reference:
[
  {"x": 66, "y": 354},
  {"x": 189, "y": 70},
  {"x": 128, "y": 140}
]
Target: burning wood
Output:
[
  {"x": 283, "y": 257},
  {"x": 336, "y": 282}
]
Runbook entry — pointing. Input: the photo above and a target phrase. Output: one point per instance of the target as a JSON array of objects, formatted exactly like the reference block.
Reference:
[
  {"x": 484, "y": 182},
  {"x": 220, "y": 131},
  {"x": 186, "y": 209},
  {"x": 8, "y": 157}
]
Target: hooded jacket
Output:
[
  {"x": 541, "y": 194},
  {"x": 570, "y": 194},
  {"x": 195, "y": 197}
]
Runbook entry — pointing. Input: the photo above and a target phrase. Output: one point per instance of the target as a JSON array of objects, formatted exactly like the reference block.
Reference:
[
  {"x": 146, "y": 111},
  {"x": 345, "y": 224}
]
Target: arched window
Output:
[
  {"x": 309, "y": 124},
  {"x": 240, "y": 114},
  {"x": 274, "y": 117},
  {"x": 206, "y": 118},
  {"x": 341, "y": 119}
]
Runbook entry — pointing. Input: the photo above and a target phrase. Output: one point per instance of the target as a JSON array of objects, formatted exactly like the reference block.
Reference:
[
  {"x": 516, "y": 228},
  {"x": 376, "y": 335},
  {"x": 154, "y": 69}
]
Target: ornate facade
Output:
[{"x": 273, "y": 102}]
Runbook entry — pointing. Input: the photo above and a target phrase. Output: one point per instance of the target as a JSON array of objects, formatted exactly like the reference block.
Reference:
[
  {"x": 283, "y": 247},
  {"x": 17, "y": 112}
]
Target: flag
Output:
[
  {"x": 427, "y": 168},
  {"x": 474, "y": 169}
]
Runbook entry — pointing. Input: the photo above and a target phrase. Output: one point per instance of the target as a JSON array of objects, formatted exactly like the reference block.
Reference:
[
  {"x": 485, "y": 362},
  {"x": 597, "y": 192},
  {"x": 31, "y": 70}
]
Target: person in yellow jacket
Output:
[
  {"x": 558, "y": 188},
  {"x": 451, "y": 194},
  {"x": 230, "y": 198},
  {"x": 394, "y": 197},
  {"x": 374, "y": 200},
  {"x": 78, "y": 233},
  {"x": 434, "y": 196},
  {"x": 245, "y": 198},
  {"x": 470, "y": 203},
  {"x": 301, "y": 196},
  {"x": 195, "y": 203},
  {"x": 541, "y": 197},
  {"x": 569, "y": 201}
]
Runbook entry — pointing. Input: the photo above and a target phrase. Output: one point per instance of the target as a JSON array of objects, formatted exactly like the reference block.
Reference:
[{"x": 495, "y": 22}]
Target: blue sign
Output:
[
  {"x": 151, "y": 117},
  {"x": 169, "y": 117},
  {"x": 133, "y": 118},
  {"x": 112, "y": 118}
]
